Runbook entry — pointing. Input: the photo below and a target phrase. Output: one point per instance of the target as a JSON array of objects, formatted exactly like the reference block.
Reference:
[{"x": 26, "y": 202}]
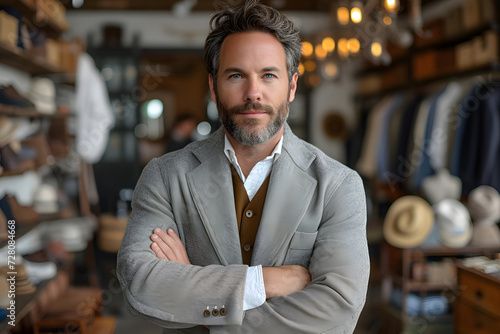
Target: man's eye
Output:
[
  {"x": 269, "y": 76},
  {"x": 235, "y": 76}
]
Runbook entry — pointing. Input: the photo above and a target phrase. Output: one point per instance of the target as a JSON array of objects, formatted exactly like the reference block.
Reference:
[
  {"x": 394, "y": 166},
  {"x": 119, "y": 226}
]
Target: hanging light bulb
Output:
[
  {"x": 387, "y": 20},
  {"x": 343, "y": 15},
  {"x": 330, "y": 70},
  {"x": 356, "y": 12},
  {"x": 353, "y": 45},
  {"x": 343, "y": 48},
  {"x": 320, "y": 52},
  {"x": 307, "y": 49},
  {"x": 328, "y": 44},
  {"x": 376, "y": 49},
  {"x": 392, "y": 6}
]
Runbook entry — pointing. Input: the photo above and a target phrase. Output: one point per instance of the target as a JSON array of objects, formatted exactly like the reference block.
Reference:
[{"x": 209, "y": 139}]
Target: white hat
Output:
[
  {"x": 454, "y": 223},
  {"x": 43, "y": 94},
  {"x": 408, "y": 222}
]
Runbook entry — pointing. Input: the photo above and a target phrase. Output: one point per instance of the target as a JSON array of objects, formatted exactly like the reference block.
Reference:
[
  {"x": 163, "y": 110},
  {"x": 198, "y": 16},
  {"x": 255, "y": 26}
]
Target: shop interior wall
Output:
[{"x": 158, "y": 30}]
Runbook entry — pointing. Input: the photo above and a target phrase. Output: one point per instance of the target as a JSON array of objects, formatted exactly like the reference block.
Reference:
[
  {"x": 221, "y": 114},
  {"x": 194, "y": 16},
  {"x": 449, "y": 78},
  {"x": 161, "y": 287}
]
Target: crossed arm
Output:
[{"x": 278, "y": 281}]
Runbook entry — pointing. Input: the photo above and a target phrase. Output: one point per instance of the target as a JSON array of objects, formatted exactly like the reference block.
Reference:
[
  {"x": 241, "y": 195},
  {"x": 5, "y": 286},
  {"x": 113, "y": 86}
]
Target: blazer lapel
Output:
[
  {"x": 290, "y": 190},
  {"x": 212, "y": 191}
]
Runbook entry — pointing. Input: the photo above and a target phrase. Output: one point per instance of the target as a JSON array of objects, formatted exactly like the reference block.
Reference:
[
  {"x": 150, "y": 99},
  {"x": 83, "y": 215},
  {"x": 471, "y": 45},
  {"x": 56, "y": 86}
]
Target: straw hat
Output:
[
  {"x": 408, "y": 222},
  {"x": 454, "y": 223}
]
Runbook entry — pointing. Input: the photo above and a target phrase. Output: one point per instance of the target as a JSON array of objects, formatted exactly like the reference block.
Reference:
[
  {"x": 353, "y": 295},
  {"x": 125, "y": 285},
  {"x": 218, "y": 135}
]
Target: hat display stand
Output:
[
  {"x": 440, "y": 186},
  {"x": 484, "y": 206}
]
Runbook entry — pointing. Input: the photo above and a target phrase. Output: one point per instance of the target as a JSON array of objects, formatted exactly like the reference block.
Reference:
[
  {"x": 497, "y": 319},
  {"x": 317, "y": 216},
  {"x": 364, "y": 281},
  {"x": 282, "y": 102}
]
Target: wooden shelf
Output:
[
  {"x": 421, "y": 286},
  {"x": 20, "y": 231},
  {"x": 415, "y": 84},
  {"x": 446, "y": 251},
  {"x": 28, "y": 11},
  {"x": 460, "y": 38},
  {"x": 25, "y": 62},
  {"x": 19, "y": 112},
  {"x": 25, "y": 303}
]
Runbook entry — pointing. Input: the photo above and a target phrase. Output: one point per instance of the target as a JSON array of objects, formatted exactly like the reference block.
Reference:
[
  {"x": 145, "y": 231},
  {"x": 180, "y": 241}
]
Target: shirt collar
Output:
[{"x": 231, "y": 154}]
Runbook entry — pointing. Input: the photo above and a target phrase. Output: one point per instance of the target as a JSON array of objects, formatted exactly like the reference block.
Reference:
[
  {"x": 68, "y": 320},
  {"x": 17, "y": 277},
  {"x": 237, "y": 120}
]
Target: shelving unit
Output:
[
  {"x": 31, "y": 307},
  {"x": 26, "y": 62},
  {"x": 19, "y": 112},
  {"x": 25, "y": 303},
  {"x": 390, "y": 79},
  {"x": 396, "y": 267},
  {"x": 29, "y": 13}
]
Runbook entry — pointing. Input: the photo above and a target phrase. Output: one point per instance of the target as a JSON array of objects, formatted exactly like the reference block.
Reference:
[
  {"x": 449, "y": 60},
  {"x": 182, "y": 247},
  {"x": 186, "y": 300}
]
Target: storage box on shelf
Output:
[{"x": 401, "y": 271}]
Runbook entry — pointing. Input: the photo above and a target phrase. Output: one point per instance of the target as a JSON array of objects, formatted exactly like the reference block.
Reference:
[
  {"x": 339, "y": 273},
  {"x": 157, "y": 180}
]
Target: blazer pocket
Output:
[
  {"x": 301, "y": 248},
  {"x": 303, "y": 240}
]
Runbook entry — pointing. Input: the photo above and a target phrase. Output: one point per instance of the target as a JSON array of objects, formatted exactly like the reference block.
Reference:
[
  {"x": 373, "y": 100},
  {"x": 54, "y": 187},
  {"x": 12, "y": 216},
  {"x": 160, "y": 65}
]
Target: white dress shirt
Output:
[{"x": 255, "y": 293}]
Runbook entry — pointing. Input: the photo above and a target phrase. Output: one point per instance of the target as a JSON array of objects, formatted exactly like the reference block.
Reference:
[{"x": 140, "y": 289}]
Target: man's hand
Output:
[
  {"x": 284, "y": 280},
  {"x": 168, "y": 246}
]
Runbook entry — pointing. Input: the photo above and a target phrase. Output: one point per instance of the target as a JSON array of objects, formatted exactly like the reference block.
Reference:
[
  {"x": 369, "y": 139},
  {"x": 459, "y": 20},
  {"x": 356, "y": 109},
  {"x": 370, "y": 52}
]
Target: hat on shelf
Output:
[
  {"x": 74, "y": 233},
  {"x": 453, "y": 222},
  {"x": 440, "y": 186},
  {"x": 408, "y": 222},
  {"x": 7, "y": 130},
  {"x": 46, "y": 199},
  {"x": 484, "y": 204},
  {"x": 484, "y": 208},
  {"x": 43, "y": 94}
]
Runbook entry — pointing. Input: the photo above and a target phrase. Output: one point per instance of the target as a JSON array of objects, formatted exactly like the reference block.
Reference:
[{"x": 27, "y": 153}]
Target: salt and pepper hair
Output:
[{"x": 252, "y": 16}]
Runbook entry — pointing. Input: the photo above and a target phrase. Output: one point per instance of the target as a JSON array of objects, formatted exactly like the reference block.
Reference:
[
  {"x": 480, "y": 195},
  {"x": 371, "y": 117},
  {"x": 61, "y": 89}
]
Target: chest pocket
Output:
[{"x": 301, "y": 248}]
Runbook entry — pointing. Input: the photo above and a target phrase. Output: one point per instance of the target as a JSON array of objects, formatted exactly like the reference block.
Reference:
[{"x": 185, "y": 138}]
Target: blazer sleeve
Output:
[
  {"x": 172, "y": 295},
  {"x": 339, "y": 266}
]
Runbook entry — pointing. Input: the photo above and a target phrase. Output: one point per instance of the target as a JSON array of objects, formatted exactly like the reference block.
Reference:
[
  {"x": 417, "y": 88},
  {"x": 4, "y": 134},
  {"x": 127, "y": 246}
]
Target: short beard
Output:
[{"x": 250, "y": 137}]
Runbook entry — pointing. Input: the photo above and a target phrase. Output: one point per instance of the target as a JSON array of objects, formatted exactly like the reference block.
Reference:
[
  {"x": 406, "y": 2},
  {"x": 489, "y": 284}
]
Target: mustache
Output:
[{"x": 251, "y": 106}]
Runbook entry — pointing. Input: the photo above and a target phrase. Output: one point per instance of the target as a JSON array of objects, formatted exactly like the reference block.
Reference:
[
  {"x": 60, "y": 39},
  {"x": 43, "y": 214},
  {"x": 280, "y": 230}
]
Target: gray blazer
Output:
[{"x": 314, "y": 216}]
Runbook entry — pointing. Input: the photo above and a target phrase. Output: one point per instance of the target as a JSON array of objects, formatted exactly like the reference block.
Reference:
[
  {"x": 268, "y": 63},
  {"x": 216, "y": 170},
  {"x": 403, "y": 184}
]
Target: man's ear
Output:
[
  {"x": 212, "y": 89},
  {"x": 293, "y": 87}
]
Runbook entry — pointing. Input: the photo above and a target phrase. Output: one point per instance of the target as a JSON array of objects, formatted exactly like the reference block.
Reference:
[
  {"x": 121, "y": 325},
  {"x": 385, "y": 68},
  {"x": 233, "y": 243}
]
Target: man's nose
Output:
[{"x": 253, "y": 90}]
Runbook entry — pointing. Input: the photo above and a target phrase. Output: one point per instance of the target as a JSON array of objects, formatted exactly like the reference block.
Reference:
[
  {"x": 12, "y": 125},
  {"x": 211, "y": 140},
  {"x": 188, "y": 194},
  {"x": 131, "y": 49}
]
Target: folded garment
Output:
[{"x": 432, "y": 304}]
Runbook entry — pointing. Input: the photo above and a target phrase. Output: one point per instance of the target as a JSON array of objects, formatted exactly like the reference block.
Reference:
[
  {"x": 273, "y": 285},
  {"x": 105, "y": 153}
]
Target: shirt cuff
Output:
[{"x": 255, "y": 293}]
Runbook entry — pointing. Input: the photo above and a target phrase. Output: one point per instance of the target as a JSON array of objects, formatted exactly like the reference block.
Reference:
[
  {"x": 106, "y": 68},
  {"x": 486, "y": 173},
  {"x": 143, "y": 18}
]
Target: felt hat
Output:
[
  {"x": 484, "y": 204},
  {"x": 453, "y": 222},
  {"x": 408, "y": 222}
]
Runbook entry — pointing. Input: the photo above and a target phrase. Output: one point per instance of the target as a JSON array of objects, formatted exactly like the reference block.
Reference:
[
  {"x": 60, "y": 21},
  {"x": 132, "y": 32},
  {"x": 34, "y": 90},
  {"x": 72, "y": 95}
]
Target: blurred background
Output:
[{"x": 405, "y": 92}]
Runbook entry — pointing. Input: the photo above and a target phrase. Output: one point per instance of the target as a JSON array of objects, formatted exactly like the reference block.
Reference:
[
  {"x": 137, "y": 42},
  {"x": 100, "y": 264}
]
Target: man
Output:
[{"x": 251, "y": 230}]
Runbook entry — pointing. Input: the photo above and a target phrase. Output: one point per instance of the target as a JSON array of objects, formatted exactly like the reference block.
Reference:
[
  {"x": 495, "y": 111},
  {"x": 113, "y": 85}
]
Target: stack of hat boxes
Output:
[{"x": 29, "y": 42}]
